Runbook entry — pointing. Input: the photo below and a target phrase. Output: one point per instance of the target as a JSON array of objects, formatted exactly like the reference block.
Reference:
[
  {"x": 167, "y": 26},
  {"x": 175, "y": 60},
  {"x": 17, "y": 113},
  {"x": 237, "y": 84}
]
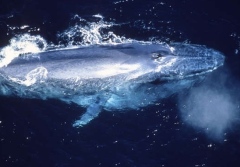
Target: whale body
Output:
[{"x": 109, "y": 77}]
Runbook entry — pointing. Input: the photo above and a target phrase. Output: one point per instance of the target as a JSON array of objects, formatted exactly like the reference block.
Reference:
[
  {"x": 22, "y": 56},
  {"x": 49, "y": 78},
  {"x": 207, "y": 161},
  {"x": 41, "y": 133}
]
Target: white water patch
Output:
[
  {"x": 21, "y": 45},
  {"x": 38, "y": 74},
  {"x": 91, "y": 33}
]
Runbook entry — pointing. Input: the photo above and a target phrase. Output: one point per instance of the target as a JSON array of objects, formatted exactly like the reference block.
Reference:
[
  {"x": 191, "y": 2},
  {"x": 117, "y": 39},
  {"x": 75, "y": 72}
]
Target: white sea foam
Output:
[
  {"x": 21, "y": 45},
  {"x": 90, "y": 33}
]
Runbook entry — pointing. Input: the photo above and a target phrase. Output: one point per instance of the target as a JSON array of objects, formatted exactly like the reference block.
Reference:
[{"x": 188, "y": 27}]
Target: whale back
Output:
[{"x": 94, "y": 62}]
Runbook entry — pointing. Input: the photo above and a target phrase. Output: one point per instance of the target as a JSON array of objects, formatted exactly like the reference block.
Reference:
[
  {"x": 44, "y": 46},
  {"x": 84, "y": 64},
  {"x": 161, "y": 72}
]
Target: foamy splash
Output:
[
  {"x": 90, "y": 33},
  {"x": 21, "y": 45}
]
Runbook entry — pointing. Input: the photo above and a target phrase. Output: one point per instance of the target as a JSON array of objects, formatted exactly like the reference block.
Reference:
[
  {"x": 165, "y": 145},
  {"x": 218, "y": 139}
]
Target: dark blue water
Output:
[{"x": 40, "y": 133}]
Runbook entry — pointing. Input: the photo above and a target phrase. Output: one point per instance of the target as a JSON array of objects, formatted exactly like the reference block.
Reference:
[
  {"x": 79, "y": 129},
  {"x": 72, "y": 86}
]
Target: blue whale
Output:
[{"x": 109, "y": 77}]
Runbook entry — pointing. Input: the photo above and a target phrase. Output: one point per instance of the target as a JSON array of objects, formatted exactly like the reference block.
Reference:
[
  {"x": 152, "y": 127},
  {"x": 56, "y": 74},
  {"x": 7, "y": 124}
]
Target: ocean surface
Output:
[{"x": 198, "y": 127}]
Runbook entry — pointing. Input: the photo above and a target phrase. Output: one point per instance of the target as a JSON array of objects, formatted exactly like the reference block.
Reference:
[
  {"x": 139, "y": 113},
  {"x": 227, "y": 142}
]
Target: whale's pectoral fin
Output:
[{"x": 92, "y": 112}]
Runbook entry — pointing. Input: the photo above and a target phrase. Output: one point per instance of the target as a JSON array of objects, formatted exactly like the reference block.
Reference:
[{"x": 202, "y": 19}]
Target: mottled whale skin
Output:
[{"x": 110, "y": 77}]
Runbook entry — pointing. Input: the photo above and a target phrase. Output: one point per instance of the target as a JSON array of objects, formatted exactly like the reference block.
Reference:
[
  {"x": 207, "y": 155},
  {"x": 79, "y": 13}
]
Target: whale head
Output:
[{"x": 184, "y": 60}]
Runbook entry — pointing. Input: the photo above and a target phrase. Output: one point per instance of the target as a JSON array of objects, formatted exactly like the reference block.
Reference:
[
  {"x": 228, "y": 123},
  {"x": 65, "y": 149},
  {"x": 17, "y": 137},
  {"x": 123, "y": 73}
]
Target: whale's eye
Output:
[
  {"x": 161, "y": 53},
  {"x": 156, "y": 55}
]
